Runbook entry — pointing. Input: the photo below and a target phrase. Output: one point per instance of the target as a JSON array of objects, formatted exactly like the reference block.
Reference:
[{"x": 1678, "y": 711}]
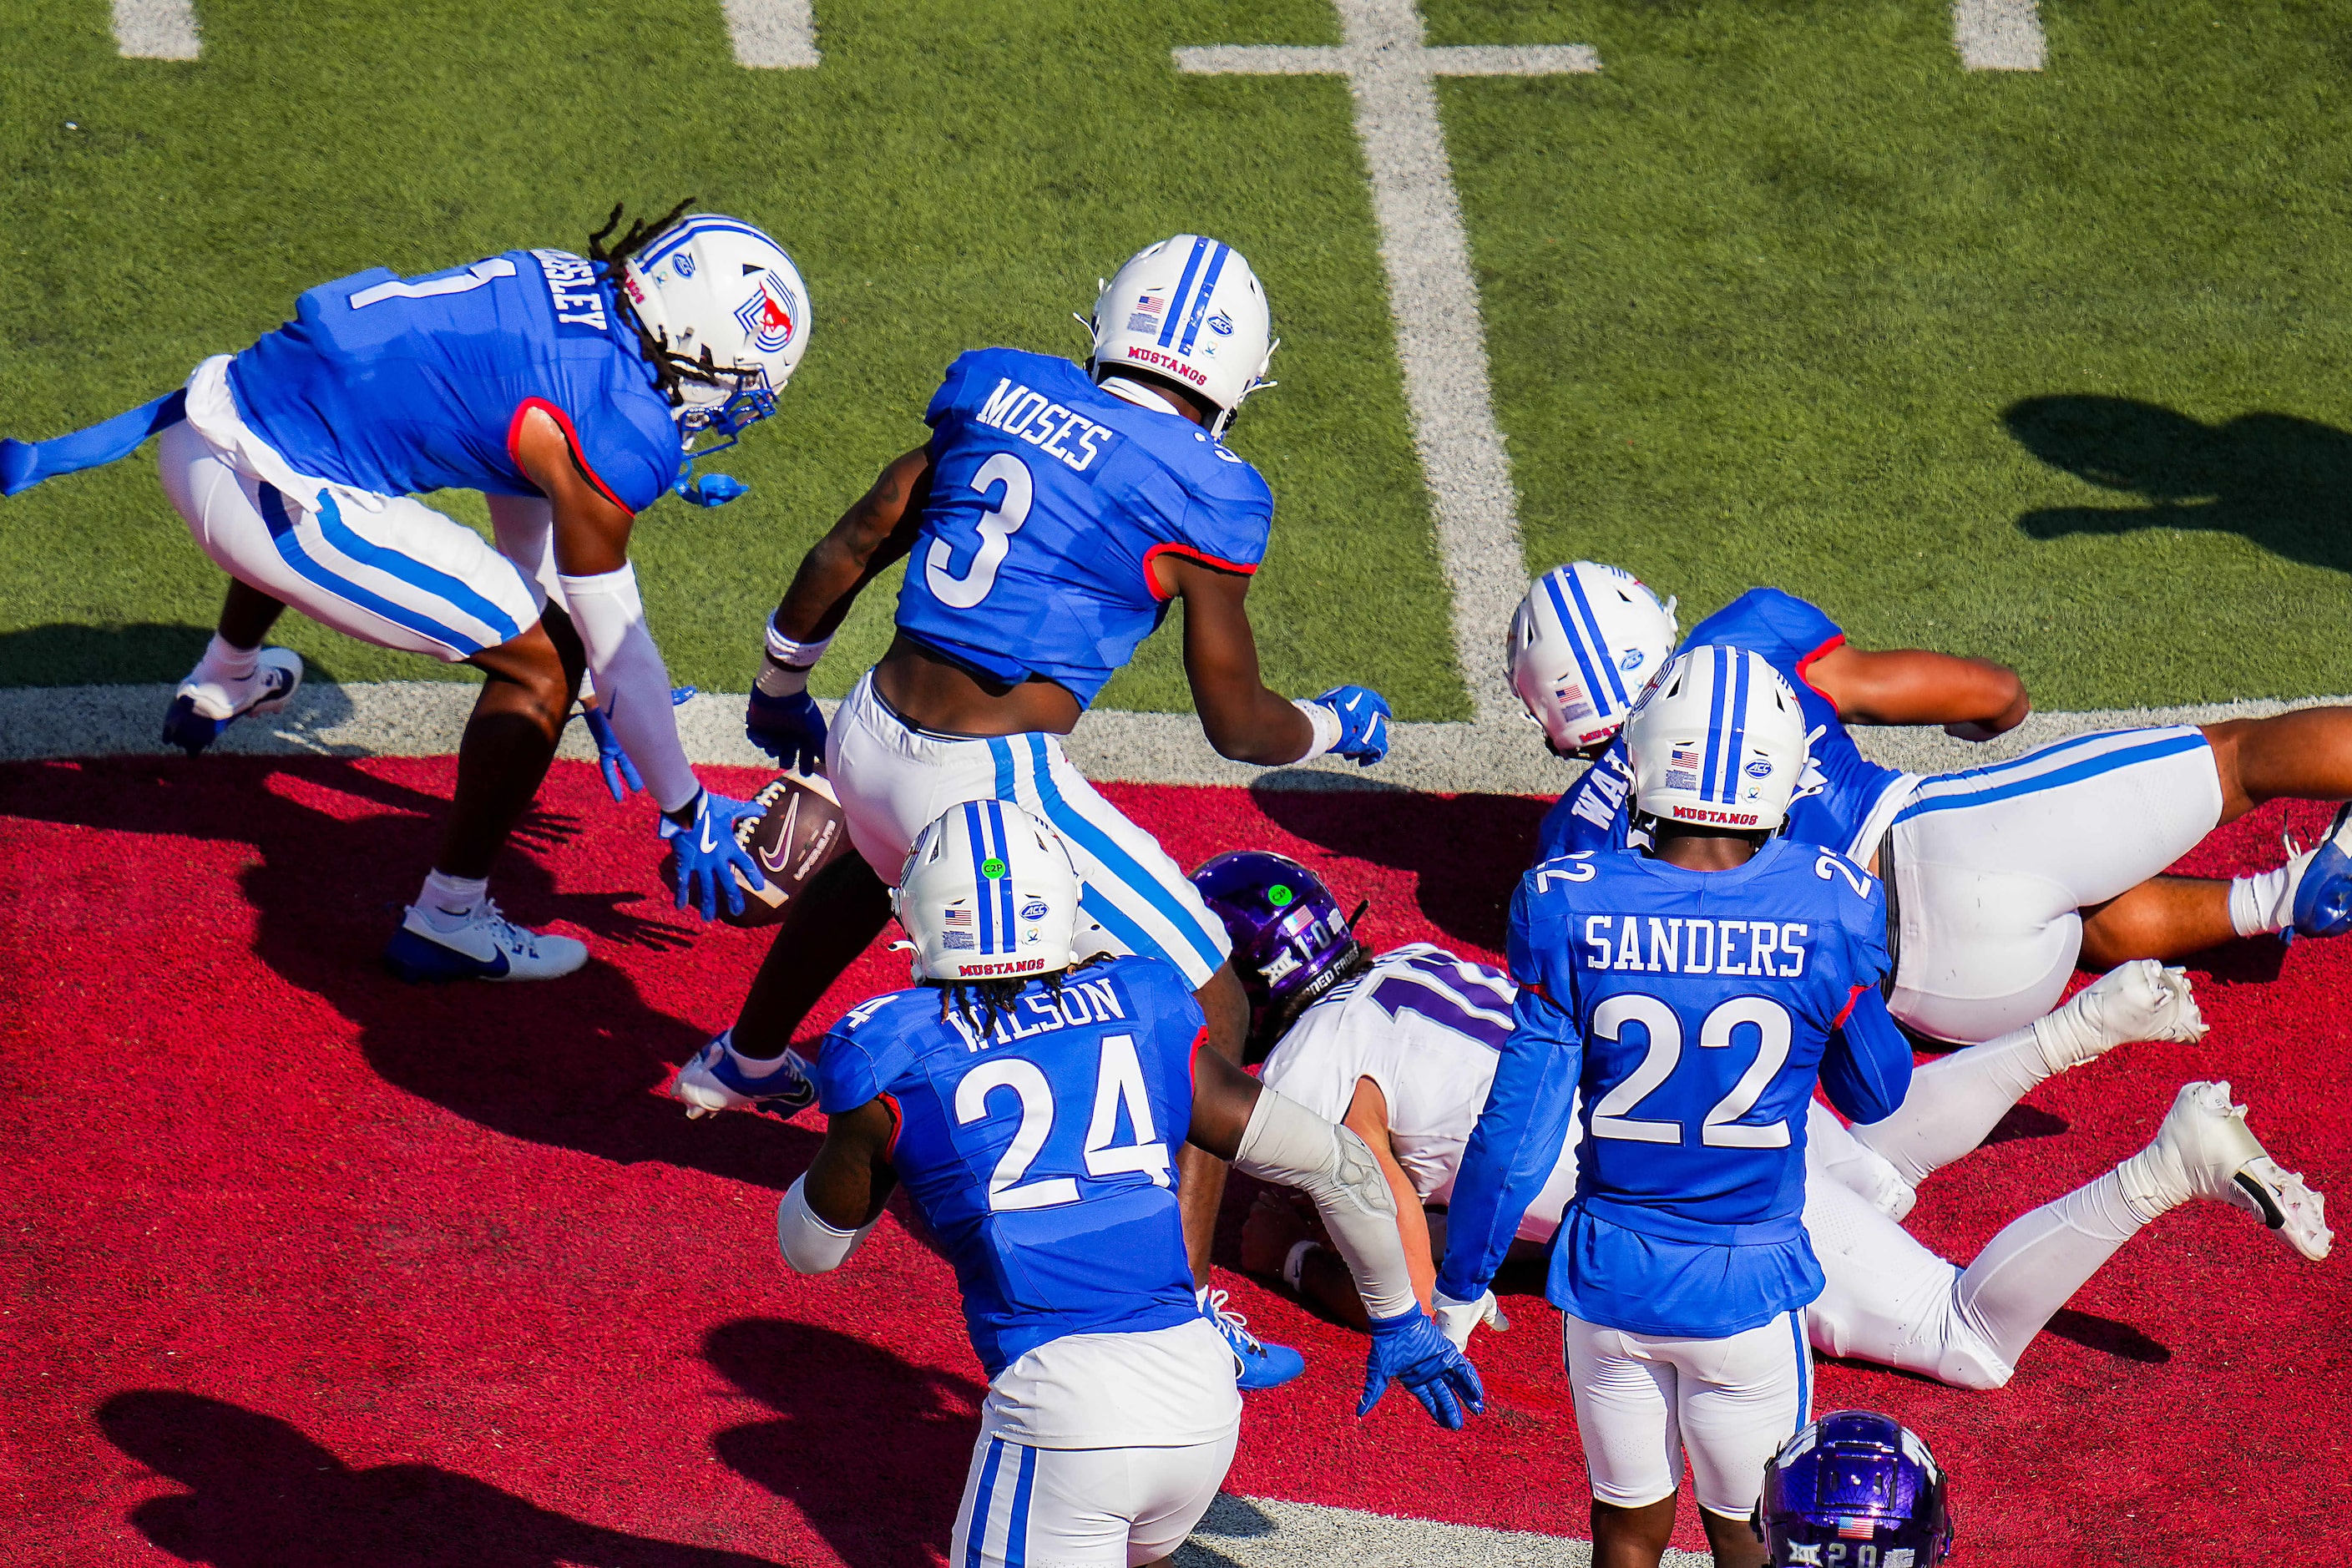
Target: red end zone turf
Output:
[{"x": 306, "y": 1268}]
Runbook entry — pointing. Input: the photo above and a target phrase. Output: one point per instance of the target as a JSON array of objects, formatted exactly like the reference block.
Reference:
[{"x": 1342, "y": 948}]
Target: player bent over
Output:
[
  {"x": 1681, "y": 1264},
  {"x": 2001, "y": 878},
  {"x": 564, "y": 388},
  {"x": 1031, "y": 1104},
  {"x": 1053, "y": 517},
  {"x": 1402, "y": 1050}
]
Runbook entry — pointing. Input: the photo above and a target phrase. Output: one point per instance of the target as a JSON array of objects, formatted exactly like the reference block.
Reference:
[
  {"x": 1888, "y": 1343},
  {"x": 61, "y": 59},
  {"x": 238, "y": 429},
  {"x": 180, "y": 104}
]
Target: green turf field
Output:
[{"x": 1784, "y": 295}]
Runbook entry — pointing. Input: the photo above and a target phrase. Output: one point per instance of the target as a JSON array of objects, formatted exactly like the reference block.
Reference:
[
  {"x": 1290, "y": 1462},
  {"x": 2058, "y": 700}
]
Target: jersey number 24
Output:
[{"x": 1118, "y": 1081}]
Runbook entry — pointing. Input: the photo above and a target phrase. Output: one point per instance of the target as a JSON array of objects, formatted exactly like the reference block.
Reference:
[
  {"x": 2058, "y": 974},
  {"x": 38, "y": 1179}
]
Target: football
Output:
[{"x": 797, "y": 833}]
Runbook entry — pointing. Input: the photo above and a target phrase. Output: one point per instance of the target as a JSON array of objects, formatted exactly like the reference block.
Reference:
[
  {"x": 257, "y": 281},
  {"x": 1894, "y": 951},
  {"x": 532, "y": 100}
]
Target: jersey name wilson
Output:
[{"x": 1773, "y": 950}]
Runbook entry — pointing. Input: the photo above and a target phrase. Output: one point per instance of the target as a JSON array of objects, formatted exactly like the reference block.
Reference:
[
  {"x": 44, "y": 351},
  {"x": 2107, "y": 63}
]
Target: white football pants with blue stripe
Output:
[
  {"x": 1044, "y": 1508},
  {"x": 1642, "y": 1401},
  {"x": 1991, "y": 867},
  {"x": 893, "y": 780},
  {"x": 388, "y": 570}
]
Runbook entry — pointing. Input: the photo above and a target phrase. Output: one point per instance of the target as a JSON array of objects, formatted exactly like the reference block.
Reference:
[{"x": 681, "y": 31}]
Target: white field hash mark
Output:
[
  {"x": 1432, "y": 294},
  {"x": 773, "y": 35},
  {"x": 156, "y": 30},
  {"x": 1997, "y": 34}
]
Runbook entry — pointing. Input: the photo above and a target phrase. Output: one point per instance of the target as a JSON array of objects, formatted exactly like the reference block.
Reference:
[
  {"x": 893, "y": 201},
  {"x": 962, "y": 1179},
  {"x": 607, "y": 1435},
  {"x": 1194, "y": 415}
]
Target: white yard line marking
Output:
[
  {"x": 1997, "y": 34},
  {"x": 156, "y": 30},
  {"x": 773, "y": 35},
  {"x": 425, "y": 719},
  {"x": 1432, "y": 296},
  {"x": 1259, "y": 1532}
]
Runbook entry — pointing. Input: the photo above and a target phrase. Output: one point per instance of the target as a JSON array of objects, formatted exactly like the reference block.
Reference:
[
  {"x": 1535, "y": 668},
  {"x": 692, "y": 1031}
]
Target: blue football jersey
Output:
[
  {"x": 1790, "y": 633},
  {"x": 1694, "y": 1011},
  {"x": 1044, "y": 1155},
  {"x": 1050, "y": 498},
  {"x": 400, "y": 385}
]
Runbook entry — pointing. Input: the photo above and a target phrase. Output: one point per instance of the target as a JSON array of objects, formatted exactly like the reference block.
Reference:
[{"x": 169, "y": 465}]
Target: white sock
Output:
[
  {"x": 448, "y": 902},
  {"x": 2030, "y": 1269},
  {"x": 225, "y": 663},
  {"x": 758, "y": 1066},
  {"x": 2265, "y": 902},
  {"x": 1954, "y": 1102},
  {"x": 2153, "y": 1181}
]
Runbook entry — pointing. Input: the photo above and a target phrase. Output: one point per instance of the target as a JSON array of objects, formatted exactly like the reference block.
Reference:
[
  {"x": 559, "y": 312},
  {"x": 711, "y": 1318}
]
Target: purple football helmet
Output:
[
  {"x": 1855, "y": 1488},
  {"x": 1291, "y": 944}
]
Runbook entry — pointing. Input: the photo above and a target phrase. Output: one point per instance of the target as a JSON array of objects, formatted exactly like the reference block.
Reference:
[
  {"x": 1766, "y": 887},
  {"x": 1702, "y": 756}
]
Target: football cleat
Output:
[
  {"x": 201, "y": 709},
  {"x": 2206, "y": 1148},
  {"x": 716, "y": 1080},
  {"x": 2323, "y": 885},
  {"x": 1256, "y": 1364},
  {"x": 487, "y": 946}
]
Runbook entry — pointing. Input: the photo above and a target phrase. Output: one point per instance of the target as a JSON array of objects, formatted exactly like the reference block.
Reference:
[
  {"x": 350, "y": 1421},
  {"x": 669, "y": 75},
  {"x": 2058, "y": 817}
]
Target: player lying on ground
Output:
[
  {"x": 563, "y": 388},
  {"x": 1681, "y": 1264},
  {"x": 2001, "y": 879},
  {"x": 1048, "y": 524},
  {"x": 1031, "y": 1102},
  {"x": 1402, "y": 1049}
]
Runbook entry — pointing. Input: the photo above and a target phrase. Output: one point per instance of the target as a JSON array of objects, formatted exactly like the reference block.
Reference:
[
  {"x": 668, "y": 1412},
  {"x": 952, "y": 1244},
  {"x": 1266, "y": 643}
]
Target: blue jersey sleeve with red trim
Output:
[
  {"x": 1049, "y": 499},
  {"x": 406, "y": 385},
  {"x": 1782, "y": 628}
]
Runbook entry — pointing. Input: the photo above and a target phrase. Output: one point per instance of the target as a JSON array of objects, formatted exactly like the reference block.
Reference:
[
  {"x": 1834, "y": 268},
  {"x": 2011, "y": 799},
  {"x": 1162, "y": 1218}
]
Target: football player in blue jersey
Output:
[
  {"x": 1053, "y": 517},
  {"x": 1032, "y": 1102},
  {"x": 1402, "y": 1050},
  {"x": 1683, "y": 1001},
  {"x": 566, "y": 388},
  {"x": 2002, "y": 880}
]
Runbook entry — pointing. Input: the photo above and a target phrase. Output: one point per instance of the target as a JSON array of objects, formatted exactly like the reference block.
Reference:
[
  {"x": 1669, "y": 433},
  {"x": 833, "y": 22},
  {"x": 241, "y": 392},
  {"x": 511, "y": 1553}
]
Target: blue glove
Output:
[
  {"x": 1410, "y": 1348},
  {"x": 709, "y": 489},
  {"x": 706, "y": 849},
  {"x": 789, "y": 729},
  {"x": 1363, "y": 722},
  {"x": 620, "y": 773}
]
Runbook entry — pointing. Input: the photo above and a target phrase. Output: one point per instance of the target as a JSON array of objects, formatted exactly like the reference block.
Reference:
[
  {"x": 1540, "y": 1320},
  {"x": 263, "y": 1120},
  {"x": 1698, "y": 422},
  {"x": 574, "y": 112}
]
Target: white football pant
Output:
[
  {"x": 1645, "y": 1400},
  {"x": 388, "y": 570},
  {"x": 1113, "y": 1507},
  {"x": 1991, "y": 867},
  {"x": 893, "y": 780}
]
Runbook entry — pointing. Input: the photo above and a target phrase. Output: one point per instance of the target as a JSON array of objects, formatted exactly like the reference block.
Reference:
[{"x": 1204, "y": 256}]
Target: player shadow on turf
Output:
[
  {"x": 575, "y": 1063},
  {"x": 1466, "y": 851},
  {"x": 260, "y": 1494},
  {"x": 65, "y": 652},
  {"x": 2281, "y": 482},
  {"x": 873, "y": 1453}
]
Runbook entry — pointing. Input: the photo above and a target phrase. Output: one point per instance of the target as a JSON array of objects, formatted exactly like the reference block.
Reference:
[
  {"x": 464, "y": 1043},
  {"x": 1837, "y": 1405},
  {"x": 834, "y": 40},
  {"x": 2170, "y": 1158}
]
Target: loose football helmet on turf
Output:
[
  {"x": 1855, "y": 1487},
  {"x": 1583, "y": 645},
  {"x": 988, "y": 893},
  {"x": 1718, "y": 739},
  {"x": 728, "y": 307},
  {"x": 1291, "y": 944},
  {"x": 1190, "y": 310}
]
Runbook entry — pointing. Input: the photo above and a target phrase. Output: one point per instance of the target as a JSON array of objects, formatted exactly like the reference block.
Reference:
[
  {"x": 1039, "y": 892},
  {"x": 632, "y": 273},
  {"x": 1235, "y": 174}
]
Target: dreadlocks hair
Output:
[
  {"x": 996, "y": 998},
  {"x": 669, "y": 368}
]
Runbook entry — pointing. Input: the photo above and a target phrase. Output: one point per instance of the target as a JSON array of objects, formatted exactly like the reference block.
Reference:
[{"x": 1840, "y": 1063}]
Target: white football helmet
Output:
[
  {"x": 1718, "y": 739},
  {"x": 988, "y": 893},
  {"x": 1583, "y": 645},
  {"x": 1191, "y": 310},
  {"x": 727, "y": 304}
]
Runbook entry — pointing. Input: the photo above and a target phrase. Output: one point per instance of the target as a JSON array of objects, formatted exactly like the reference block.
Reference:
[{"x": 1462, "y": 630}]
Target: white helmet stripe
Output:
[
  {"x": 1575, "y": 632},
  {"x": 1719, "y": 687},
  {"x": 1183, "y": 290},
  {"x": 1012, "y": 936},
  {"x": 1736, "y": 750},
  {"x": 1599, "y": 643},
  {"x": 976, "y": 830},
  {"x": 691, "y": 229},
  {"x": 1200, "y": 298}
]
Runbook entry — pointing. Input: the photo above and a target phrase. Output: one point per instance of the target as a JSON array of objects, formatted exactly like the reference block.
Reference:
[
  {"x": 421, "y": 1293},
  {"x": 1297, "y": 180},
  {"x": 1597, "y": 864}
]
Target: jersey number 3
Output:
[
  {"x": 998, "y": 525},
  {"x": 1118, "y": 1080},
  {"x": 1722, "y": 1127}
]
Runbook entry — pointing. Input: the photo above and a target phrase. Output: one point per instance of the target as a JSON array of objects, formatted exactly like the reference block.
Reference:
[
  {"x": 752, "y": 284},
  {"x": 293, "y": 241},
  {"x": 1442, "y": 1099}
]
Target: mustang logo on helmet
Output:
[{"x": 768, "y": 315}]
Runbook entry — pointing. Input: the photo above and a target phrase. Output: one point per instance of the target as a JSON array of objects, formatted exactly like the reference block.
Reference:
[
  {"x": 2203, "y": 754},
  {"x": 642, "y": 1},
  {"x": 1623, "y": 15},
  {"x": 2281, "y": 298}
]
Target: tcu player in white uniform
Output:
[
  {"x": 2001, "y": 879},
  {"x": 1402, "y": 1049}
]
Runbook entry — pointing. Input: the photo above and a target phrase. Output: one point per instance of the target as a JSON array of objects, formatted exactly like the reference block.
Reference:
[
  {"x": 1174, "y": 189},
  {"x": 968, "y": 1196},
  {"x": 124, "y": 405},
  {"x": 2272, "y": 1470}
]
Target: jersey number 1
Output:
[
  {"x": 1118, "y": 1080},
  {"x": 465, "y": 282},
  {"x": 998, "y": 525}
]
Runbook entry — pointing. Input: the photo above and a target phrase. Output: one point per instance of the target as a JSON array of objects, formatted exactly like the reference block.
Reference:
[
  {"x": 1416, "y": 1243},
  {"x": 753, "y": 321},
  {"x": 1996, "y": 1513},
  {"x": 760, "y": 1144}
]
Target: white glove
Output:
[
  {"x": 1457, "y": 1319},
  {"x": 2141, "y": 1000}
]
